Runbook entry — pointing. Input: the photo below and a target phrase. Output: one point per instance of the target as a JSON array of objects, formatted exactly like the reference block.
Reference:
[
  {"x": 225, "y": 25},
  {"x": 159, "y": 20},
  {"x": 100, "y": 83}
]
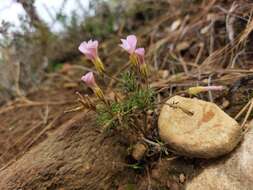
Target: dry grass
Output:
[{"x": 205, "y": 42}]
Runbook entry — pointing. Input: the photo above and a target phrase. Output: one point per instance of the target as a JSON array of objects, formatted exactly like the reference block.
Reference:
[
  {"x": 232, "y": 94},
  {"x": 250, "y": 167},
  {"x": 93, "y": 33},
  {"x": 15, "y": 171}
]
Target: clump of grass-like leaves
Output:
[{"x": 135, "y": 102}]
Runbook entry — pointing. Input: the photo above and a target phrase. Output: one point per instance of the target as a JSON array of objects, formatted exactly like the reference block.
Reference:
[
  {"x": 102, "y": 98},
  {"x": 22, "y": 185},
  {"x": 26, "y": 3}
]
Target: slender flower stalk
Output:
[
  {"x": 89, "y": 80},
  {"x": 90, "y": 50},
  {"x": 198, "y": 89}
]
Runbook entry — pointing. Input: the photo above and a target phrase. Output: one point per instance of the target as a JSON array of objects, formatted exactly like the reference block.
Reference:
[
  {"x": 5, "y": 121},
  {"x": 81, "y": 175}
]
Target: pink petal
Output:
[
  {"x": 90, "y": 55},
  {"x": 125, "y": 45},
  {"x": 132, "y": 41},
  {"x": 89, "y": 49},
  {"x": 140, "y": 51},
  {"x": 92, "y": 44},
  {"x": 95, "y": 44},
  {"x": 89, "y": 79},
  {"x": 82, "y": 47}
]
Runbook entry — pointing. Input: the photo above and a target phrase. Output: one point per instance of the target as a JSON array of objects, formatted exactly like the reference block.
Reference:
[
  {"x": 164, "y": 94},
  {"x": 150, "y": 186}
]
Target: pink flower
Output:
[
  {"x": 129, "y": 44},
  {"x": 140, "y": 52},
  {"x": 91, "y": 83},
  {"x": 89, "y": 80},
  {"x": 90, "y": 49},
  {"x": 136, "y": 55}
]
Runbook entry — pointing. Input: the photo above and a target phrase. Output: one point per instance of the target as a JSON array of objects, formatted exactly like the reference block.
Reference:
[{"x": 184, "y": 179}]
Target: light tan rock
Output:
[
  {"x": 139, "y": 150},
  {"x": 197, "y": 128},
  {"x": 234, "y": 172}
]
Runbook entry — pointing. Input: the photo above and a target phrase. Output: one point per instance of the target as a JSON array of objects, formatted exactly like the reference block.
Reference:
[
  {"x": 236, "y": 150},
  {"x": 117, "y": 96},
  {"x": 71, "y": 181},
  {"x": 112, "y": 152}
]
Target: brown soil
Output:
[
  {"x": 23, "y": 124},
  {"x": 52, "y": 150},
  {"x": 65, "y": 151}
]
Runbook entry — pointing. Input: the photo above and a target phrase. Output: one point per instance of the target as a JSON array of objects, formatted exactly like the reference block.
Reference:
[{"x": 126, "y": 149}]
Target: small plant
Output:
[
  {"x": 133, "y": 96},
  {"x": 127, "y": 111}
]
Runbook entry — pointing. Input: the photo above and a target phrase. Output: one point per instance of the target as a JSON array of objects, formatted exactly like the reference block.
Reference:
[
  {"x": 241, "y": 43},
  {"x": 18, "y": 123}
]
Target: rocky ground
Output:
[{"x": 46, "y": 146}]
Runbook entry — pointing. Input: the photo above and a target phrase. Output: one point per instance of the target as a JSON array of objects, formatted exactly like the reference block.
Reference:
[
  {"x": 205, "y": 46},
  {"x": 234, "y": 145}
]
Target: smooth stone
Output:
[
  {"x": 234, "y": 172},
  {"x": 139, "y": 150},
  {"x": 196, "y": 128}
]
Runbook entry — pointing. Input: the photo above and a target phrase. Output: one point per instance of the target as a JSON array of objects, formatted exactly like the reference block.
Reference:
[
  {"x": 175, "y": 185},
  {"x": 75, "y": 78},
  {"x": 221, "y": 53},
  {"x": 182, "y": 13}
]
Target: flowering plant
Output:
[{"x": 134, "y": 98}]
